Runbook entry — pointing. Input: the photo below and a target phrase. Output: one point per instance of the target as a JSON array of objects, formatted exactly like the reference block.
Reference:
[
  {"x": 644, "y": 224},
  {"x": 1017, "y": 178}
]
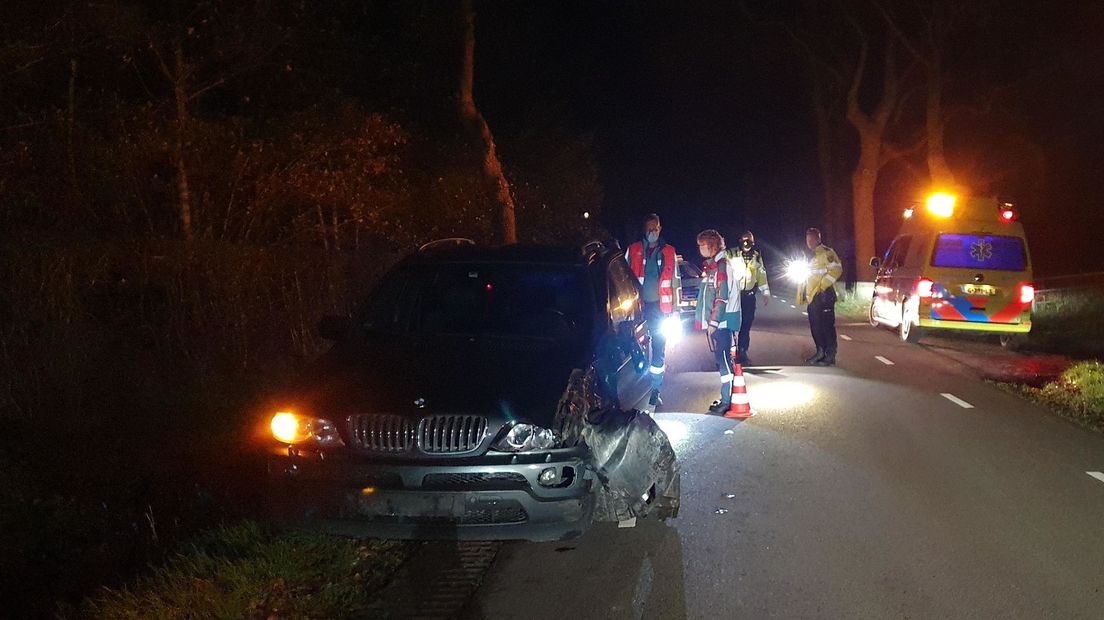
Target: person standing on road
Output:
[
  {"x": 724, "y": 316},
  {"x": 756, "y": 282},
  {"x": 653, "y": 263},
  {"x": 819, "y": 293}
]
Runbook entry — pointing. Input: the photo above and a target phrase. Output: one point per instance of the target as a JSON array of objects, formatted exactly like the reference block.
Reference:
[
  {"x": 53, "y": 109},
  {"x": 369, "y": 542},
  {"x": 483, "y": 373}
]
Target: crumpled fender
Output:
[{"x": 631, "y": 456}]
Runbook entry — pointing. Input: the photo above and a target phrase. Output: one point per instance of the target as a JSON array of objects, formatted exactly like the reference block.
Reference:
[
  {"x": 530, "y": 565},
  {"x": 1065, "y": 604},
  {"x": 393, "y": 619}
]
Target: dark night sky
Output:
[{"x": 703, "y": 117}]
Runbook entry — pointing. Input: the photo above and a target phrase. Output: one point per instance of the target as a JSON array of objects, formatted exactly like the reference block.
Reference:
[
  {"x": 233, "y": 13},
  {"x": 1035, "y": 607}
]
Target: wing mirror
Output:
[
  {"x": 875, "y": 262},
  {"x": 334, "y": 327}
]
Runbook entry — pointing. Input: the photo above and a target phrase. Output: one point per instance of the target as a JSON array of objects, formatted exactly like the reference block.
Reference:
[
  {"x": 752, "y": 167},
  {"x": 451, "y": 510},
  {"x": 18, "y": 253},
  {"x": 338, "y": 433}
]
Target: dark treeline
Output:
[{"x": 185, "y": 187}]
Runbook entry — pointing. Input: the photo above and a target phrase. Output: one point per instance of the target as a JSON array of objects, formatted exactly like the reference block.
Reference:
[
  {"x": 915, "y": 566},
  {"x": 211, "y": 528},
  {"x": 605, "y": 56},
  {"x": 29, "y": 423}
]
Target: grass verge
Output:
[
  {"x": 1078, "y": 394},
  {"x": 246, "y": 570},
  {"x": 852, "y": 306}
]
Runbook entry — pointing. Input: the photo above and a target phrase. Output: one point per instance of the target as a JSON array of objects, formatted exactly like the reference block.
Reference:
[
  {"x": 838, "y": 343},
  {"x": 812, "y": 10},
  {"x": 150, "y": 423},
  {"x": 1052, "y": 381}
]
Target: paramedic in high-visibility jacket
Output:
[
  {"x": 730, "y": 277},
  {"x": 819, "y": 292},
  {"x": 653, "y": 263}
]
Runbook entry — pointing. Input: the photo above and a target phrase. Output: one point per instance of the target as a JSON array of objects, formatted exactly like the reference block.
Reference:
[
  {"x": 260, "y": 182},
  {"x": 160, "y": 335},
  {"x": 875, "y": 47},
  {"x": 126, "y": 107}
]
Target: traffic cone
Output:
[{"x": 741, "y": 406}]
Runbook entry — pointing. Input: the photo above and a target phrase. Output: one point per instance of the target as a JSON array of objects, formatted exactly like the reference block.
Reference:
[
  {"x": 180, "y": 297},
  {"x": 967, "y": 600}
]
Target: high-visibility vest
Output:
[{"x": 667, "y": 262}]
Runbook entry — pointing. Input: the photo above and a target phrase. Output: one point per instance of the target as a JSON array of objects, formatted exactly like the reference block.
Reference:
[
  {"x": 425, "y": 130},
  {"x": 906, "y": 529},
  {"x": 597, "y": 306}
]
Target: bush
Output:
[
  {"x": 248, "y": 571},
  {"x": 1078, "y": 394}
]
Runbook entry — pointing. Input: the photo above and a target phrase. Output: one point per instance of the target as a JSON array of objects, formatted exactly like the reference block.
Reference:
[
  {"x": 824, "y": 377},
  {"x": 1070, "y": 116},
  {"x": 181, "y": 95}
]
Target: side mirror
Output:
[
  {"x": 334, "y": 327},
  {"x": 875, "y": 262}
]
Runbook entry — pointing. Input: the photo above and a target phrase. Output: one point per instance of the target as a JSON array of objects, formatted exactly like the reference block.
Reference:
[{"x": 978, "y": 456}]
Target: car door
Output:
[
  {"x": 629, "y": 331},
  {"x": 890, "y": 284}
]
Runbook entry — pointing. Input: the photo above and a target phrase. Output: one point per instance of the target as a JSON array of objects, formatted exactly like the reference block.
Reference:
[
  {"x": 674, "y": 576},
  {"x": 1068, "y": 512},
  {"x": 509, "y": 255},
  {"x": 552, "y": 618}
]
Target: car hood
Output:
[{"x": 510, "y": 379}]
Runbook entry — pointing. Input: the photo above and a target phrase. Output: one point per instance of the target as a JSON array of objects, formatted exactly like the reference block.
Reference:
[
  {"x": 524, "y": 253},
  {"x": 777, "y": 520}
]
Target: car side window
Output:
[
  {"x": 624, "y": 296},
  {"x": 897, "y": 252}
]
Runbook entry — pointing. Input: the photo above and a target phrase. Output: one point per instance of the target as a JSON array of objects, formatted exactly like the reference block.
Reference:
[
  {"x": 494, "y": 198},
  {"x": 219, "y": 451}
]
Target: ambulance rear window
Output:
[{"x": 993, "y": 252}]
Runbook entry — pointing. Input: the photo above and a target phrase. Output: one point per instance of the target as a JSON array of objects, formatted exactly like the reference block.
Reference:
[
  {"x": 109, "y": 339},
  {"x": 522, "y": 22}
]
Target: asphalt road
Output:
[{"x": 896, "y": 485}]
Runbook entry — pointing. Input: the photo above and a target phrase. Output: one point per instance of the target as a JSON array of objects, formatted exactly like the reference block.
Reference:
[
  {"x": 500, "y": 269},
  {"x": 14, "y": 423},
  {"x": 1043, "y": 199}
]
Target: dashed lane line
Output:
[
  {"x": 845, "y": 337},
  {"x": 883, "y": 360},
  {"x": 793, "y": 306},
  {"x": 1095, "y": 474},
  {"x": 805, "y": 313},
  {"x": 956, "y": 400}
]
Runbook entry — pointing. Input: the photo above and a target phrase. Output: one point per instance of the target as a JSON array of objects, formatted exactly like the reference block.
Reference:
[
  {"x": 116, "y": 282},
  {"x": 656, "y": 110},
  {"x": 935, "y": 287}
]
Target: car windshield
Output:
[
  {"x": 689, "y": 270},
  {"x": 980, "y": 252},
  {"x": 512, "y": 300}
]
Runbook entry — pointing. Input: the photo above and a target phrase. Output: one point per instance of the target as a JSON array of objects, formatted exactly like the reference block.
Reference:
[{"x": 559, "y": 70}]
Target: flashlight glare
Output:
[
  {"x": 671, "y": 328},
  {"x": 797, "y": 271}
]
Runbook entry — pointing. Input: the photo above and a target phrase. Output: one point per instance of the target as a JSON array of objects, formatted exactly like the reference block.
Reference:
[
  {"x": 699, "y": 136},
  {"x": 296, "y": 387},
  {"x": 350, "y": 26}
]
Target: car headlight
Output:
[
  {"x": 292, "y": 428},
  {"x": 526, "y": 438}
]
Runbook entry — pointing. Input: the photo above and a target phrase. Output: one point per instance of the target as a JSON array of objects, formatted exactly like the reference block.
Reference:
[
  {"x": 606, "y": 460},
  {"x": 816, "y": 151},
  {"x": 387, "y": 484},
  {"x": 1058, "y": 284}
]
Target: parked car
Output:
[
  {"x": 687, "y": 282},
  {"x": 477, "y": 393}
]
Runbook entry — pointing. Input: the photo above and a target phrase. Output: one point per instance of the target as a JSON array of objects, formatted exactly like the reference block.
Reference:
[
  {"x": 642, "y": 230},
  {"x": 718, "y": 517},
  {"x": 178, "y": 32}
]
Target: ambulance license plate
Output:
[{"x": 979, "y": 289}]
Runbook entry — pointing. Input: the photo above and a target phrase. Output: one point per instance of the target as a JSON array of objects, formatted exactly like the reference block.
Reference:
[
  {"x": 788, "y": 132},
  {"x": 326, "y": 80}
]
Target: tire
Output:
[
  {"x": 1013, "y": 342},
  {"x": 871, "y": 314},
  {"x": 907, "y": 331}
]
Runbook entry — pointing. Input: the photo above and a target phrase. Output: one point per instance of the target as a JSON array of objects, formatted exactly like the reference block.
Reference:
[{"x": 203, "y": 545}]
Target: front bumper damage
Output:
[{"x": 493, "y": 497}]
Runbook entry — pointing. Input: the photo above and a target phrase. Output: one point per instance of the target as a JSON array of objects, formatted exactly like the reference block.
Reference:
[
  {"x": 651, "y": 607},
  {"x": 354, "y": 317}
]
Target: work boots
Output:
[
  {"x": 742, "y": 358},
  {"x": 829, "y": 359},
  {"x": 817, "y": 357}
]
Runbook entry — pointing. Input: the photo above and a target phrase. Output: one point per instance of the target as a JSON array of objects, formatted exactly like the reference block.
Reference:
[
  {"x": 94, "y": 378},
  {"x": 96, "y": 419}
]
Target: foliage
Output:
[
  {"x": 1078, "y": 394},
  {"x": 248, "y": 571}
]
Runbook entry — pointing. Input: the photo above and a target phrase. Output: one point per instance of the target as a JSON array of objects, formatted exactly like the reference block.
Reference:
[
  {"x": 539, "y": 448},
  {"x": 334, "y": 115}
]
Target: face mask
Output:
[{"x": 652, "y": 236}]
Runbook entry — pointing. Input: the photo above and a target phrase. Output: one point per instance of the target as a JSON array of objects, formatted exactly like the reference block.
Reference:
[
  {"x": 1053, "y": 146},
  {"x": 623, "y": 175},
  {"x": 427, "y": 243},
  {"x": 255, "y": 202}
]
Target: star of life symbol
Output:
[{"x": 981, "y": 250}]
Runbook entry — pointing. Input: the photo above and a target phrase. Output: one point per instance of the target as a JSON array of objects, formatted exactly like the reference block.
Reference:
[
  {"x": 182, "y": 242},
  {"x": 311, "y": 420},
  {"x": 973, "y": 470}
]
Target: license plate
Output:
[
  {"x": 438, "y": 505},
  {"x": 979, "y": 289}
]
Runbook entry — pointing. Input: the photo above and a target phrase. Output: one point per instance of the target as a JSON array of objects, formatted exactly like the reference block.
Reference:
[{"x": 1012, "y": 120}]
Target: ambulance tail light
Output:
[
  {"x": 925, "y": 288},
  {"x": 1027, "y": 293},
  {"x": 1008, "y": 212}
]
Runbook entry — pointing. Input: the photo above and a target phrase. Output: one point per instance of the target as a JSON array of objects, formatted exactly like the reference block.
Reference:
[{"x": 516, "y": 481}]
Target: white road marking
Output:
[
  {"x": 1095, "y": 474},
  {"x": 956, "y": 400},
  {"x": 883, "y": 360},
  {"x": 805, "y": 313},
  {"x": 845, "y": 337},
  {"x": 793, "y": 306}
]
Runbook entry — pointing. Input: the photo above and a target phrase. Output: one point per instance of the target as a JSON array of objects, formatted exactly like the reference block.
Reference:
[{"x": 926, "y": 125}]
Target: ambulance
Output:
[{"x": 957, "y": 264}]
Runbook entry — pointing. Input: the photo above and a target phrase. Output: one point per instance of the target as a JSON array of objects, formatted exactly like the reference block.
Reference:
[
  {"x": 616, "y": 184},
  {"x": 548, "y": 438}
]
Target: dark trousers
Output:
[
  {"x": 822, "y": 321},
  {"x": 747, "y": 309},
  {"x": 655, "y": 316},
  {"x": 722, "y": 354}
]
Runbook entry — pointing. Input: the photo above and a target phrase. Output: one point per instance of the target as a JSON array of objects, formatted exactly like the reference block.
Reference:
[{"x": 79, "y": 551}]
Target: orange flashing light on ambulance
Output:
[{"x": 957, "y": 264}]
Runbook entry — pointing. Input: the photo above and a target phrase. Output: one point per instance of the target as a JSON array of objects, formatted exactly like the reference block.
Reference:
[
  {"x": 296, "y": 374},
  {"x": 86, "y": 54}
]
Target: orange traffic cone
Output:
[{"x": 741, "y": 406}]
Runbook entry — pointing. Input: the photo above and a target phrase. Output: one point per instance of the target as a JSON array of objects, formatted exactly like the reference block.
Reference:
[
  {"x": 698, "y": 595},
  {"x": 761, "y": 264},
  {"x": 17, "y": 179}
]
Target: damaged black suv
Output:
[{"x": 477, "y": 393}]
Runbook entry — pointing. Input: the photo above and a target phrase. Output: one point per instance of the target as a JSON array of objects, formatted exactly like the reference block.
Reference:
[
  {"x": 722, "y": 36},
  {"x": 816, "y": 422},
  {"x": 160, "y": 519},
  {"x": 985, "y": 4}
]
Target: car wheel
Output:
[
  {"x": 906, "y": 330},
  {"x": 1013, "y": 342},
  {"x": 872, "y": 313}
]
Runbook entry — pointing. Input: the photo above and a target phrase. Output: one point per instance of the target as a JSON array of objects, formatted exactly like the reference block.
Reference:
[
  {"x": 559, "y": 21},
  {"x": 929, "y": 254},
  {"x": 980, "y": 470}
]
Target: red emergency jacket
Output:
[{"x": 667, "y": 264}]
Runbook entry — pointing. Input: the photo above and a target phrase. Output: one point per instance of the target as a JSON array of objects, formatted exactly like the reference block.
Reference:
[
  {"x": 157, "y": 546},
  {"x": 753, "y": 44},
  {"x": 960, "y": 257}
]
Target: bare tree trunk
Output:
[
  {"x": 70, "y": 122},
  {"x": 824, "y": 159},
  {"x": 492, "y": 167},
  {"x": 872, "y": 131},
  {"x": 941, "y": 175},
  {"x": 181, "y": 96}
]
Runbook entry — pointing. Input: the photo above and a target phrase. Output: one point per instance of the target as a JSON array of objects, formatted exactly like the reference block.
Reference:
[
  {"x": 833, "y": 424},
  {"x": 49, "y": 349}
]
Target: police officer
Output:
[
  {"x": 756, "y": 281},
  {"x": 653, "y": 263},
  {"x": 818, "y": 291}
]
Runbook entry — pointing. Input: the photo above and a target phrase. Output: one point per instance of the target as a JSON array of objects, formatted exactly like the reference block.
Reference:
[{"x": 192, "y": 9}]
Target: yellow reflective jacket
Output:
[
  {"x": 757, "y": 273},
  {"x": 824, "y": 270}
]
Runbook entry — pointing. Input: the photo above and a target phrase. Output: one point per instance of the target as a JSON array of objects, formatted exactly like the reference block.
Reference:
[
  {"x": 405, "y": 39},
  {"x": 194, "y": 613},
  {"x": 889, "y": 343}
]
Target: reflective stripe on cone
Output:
[{"x": 741, "y": 406}]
